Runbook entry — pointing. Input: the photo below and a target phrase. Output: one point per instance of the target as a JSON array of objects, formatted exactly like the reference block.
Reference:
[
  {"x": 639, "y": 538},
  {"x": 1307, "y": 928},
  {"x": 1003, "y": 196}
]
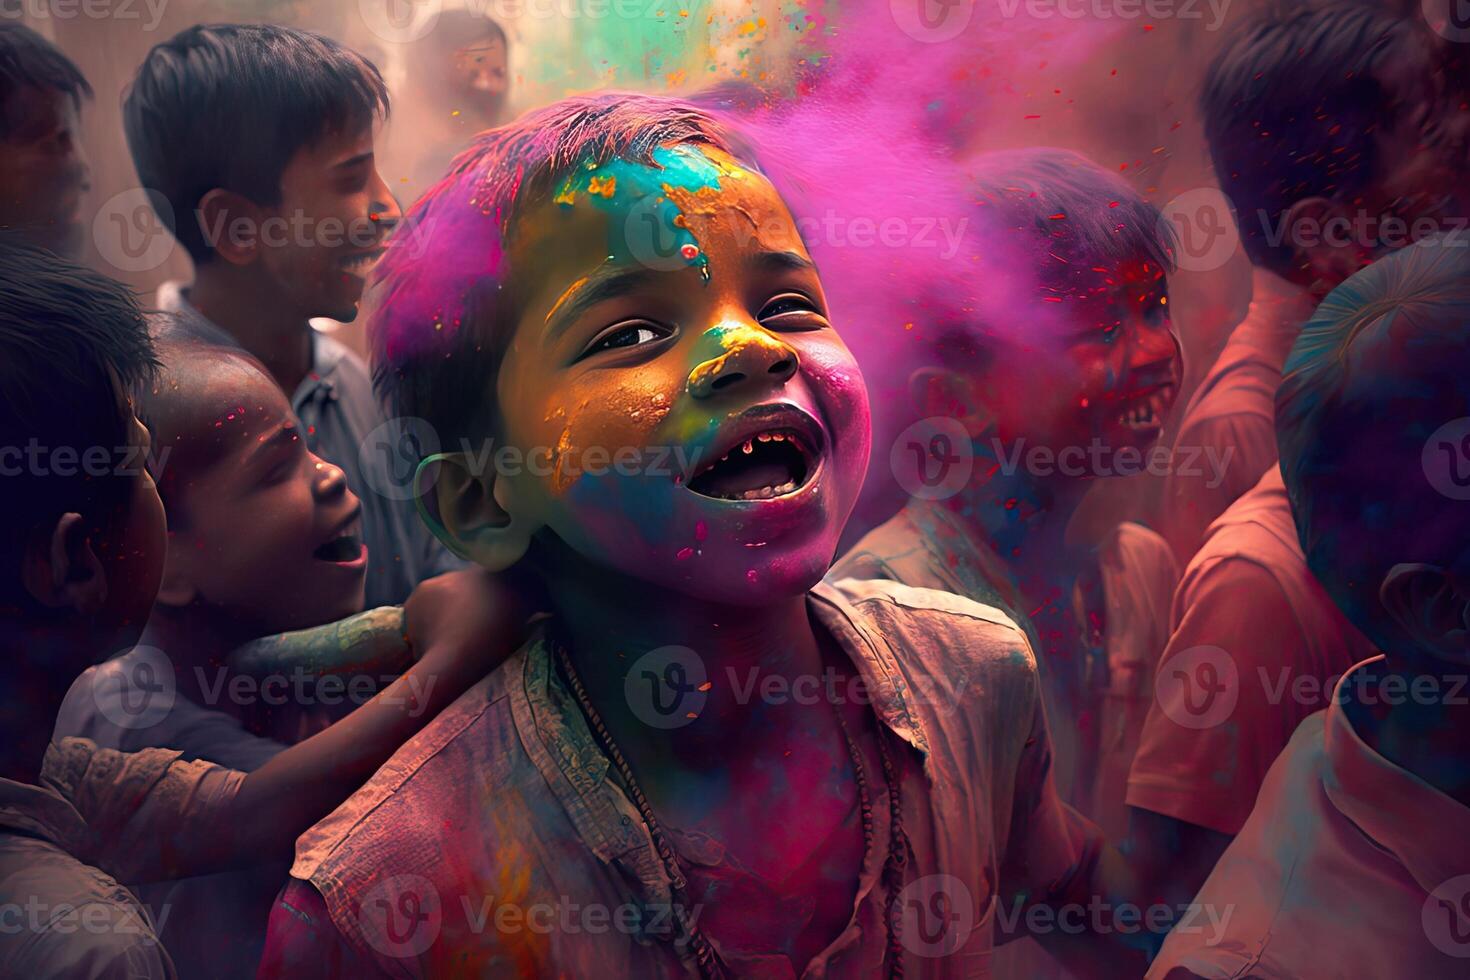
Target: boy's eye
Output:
[
  {"x": 792, "y": 311},
  {"x": 627, "y": 334}
]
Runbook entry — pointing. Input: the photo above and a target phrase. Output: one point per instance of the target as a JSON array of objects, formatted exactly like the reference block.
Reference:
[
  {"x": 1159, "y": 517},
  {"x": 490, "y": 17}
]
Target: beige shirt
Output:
[
  {"x": 1349, "y": 868},
  {"x": 99, "y": 816},
  {"x": 488, "y": 842},
  {"x": 1096, "y": 735}
]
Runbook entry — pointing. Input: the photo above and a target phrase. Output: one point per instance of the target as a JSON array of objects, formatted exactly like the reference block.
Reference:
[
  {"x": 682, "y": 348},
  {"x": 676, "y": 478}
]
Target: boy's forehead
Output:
[{"x": 695, "y": 207}]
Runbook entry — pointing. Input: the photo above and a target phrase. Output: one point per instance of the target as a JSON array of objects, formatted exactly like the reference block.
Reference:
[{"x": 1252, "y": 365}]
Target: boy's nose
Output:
[
  {"x": 750, "y": 356},
  {"x": 329, "y": 480}
]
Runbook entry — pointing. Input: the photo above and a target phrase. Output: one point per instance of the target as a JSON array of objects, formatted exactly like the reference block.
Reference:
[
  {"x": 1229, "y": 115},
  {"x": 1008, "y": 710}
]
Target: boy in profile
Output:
[
  {"x": 606, "y": 276},
  {"x": 260, "y": 138},
  {"x": 43, "y": 172},
  {"x": 1368, "y": 806},
  {"x": 1336, "y": 133},
  {"x": 1085, "y": 364},
  {"x": 81, "y": 558}
]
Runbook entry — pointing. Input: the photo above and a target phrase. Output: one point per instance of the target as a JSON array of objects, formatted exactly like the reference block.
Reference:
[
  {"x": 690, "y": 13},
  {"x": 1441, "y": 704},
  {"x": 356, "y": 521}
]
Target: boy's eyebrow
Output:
[
  {"x": 285, "y": 432},
  {"x": 767, "y": 261},
  {"x": 353, "y": 161},
  {"x": 587, "y": 292}
]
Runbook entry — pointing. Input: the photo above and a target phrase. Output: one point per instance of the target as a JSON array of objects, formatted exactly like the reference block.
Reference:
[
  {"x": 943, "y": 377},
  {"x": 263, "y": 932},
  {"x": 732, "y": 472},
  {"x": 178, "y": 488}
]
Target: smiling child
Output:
[{"x": 610, "y": 275}]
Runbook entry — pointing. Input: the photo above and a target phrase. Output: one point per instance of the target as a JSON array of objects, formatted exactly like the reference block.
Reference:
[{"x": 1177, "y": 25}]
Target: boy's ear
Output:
[
  {"x": 60, "y": 569},
  {"x": 936, "y": 391},
  {"x": 1430, "y": 609},
  {"x": 471, "y": 511},
  {"x": 231, "y": 224},
  {"x": 1323, "y": 235}
]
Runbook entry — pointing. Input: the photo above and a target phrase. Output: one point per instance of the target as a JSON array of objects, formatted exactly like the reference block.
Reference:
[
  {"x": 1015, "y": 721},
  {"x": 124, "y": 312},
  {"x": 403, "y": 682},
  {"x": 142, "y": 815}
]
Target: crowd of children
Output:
[{"x": 581, "y": 686}]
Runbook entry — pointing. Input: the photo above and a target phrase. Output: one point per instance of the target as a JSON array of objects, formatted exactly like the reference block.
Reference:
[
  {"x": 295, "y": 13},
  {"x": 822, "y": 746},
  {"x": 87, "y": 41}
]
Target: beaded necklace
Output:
[{"x": 708, "y": 961}]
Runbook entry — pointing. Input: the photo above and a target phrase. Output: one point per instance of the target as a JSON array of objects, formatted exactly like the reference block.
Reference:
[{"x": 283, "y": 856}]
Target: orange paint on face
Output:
[
  {"x": 602, "y": 186},
  {"x": 735, "y": 340},
  {"x": 563, "y": 298}
]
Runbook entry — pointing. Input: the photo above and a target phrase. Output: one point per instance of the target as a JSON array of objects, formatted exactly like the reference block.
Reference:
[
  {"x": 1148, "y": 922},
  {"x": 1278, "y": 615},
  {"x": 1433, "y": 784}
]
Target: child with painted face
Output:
[
  {"x": 82, "y": 553},
  {"x": 1065, "y": 379},
  {"x": 1368, "y": 806},
  {"x": 706, "y": 760}
]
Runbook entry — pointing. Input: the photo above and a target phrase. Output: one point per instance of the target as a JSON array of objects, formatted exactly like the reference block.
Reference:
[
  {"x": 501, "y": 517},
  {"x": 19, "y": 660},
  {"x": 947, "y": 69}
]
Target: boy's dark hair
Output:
[
  {"x": 1376, "y": 372},
  {"x": 442, "y": 321},
  {"x": 1073, "y": 210},
  {"x": 229, "y": 105},
  {"x": 68, "y": 338},
  {"x": 1292, "y": 106},
  {"x": 29, "y": 62}
]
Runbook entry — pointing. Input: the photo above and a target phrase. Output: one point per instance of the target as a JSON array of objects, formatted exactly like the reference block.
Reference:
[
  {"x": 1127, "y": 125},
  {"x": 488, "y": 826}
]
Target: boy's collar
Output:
[{"x": 1427, "y": 832}]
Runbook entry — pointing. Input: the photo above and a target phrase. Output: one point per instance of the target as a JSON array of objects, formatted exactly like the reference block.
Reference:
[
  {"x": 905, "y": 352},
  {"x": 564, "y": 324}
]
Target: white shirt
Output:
[{"x": 1349, "y": 867}]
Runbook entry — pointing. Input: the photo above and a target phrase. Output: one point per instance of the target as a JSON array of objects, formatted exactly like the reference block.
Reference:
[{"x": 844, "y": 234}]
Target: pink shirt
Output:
[
  {"x": 504, "y": 802},
  {"x": 1349, "y": 868},
  {"x": 1232, "y": 412},
  {"x": 1256, "y": 647}
]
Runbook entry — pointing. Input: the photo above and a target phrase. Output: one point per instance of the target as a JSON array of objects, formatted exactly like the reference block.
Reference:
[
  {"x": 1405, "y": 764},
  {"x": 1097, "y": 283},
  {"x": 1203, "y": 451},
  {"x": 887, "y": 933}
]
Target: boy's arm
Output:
[{"x": 163, "y": 819}]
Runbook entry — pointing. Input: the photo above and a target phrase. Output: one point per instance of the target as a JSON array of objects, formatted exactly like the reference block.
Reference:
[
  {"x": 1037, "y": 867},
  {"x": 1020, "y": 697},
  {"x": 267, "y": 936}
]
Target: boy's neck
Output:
[
  {"x": 198, "y": 644},
  {"x": 1024, "y": 519},
  {"x": 609, "y": 623},
  {"x": 237, "y": 300}
]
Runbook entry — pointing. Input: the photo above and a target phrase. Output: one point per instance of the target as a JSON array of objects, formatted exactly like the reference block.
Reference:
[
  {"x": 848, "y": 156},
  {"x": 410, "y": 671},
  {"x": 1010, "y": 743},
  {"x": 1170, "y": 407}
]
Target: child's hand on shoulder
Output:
[{"x": 470, "y": 618}]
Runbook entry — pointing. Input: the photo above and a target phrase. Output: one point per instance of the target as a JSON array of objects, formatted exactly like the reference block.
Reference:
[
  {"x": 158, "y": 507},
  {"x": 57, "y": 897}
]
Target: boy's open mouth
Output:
[
  {"x": 769, "y": 464},
  {"x": 361, "y": 263},
  {"x": 345, "y": 547},
  {"x": 1145, "y": 413}
]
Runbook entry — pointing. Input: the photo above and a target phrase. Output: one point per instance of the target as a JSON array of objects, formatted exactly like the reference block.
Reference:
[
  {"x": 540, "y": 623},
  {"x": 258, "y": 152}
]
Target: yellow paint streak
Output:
[
  {"x": 561, "y": 300},
  {"x": 602, "y": 186}
]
